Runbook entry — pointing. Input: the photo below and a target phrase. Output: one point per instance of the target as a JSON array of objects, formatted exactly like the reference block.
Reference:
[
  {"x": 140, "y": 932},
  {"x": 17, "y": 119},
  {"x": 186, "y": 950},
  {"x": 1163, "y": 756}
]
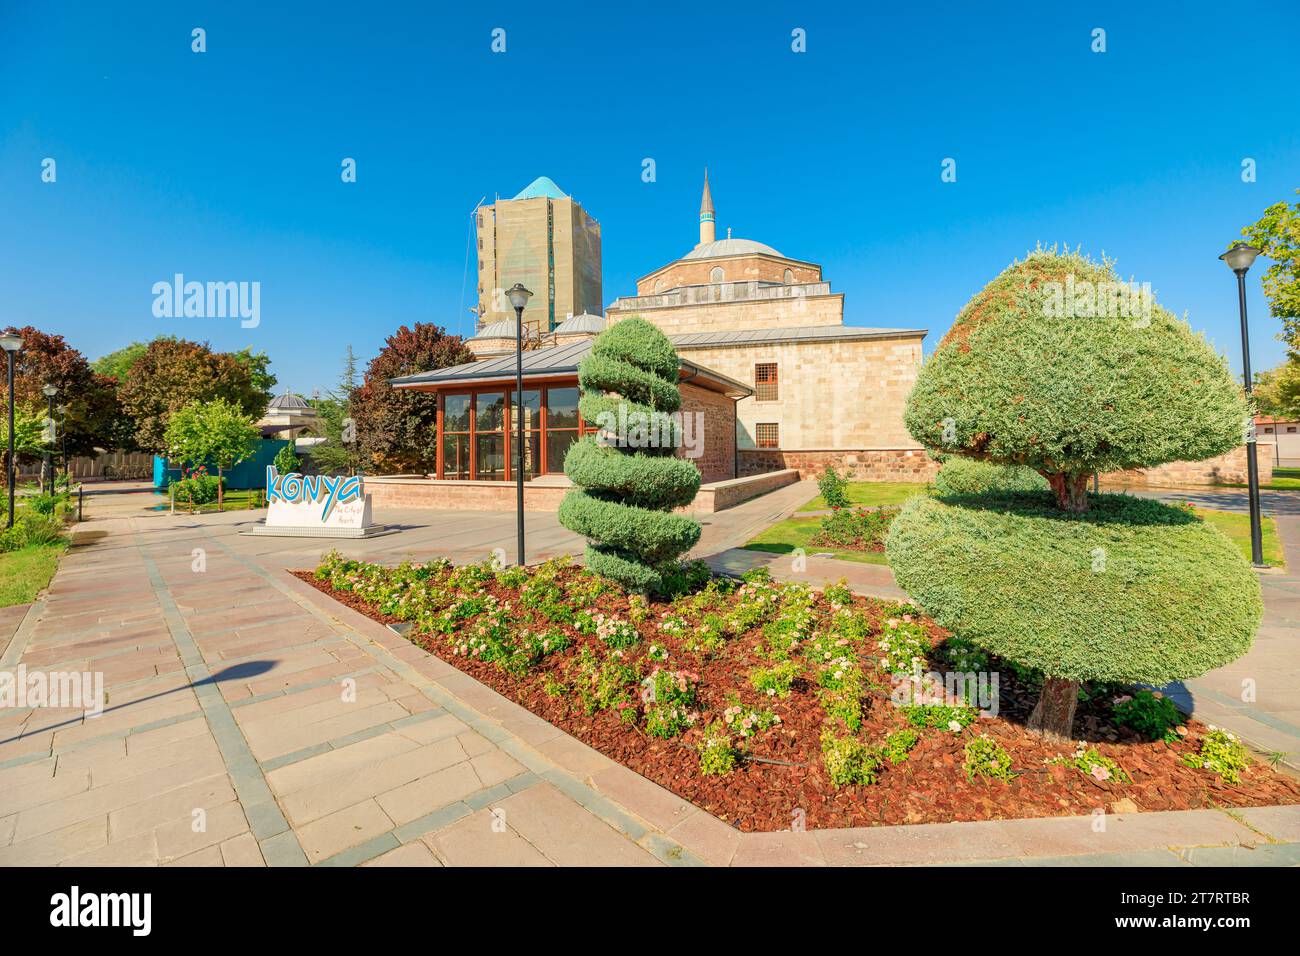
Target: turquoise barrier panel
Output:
[{"x": 250, "y": 473}]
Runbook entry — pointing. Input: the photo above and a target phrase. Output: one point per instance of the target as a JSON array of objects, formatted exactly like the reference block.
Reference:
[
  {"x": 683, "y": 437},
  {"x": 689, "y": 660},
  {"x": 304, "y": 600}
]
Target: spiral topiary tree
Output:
[
  {"x": 1057, "y": 366},
  {"x": 628, "y": 477}
]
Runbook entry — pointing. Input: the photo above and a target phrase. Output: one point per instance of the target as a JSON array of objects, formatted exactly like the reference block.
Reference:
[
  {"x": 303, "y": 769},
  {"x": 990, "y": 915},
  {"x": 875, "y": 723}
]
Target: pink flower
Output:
[{"x": 1100, "y": 772}]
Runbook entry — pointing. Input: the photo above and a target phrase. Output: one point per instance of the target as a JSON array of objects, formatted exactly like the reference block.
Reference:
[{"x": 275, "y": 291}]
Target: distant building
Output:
[
  {"x": 824, "y": 393},
  {"x": 289, "y": 416},
  {"x": 1284, "y": 433},
  {"x": 543, "y": 239}
]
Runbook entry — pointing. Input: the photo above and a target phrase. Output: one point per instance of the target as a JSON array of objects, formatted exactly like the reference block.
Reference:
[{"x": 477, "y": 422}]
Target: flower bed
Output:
[{"x": 777, "y": 706}]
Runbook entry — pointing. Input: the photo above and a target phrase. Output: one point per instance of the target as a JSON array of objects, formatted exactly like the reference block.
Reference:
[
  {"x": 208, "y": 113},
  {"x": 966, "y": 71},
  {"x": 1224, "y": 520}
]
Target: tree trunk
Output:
[
  {"x": 221, "y": 501},
  {"x": 1053, "y": 715},
  {"x": 1071, "y": 490}
]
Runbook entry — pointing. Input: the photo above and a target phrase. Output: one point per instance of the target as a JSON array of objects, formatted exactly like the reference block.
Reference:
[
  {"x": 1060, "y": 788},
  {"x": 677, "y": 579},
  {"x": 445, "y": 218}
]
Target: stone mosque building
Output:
[{"x": 782, "y": 386}]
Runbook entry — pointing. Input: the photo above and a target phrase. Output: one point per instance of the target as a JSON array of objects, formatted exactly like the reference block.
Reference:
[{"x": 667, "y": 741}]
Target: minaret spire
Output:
[{"x": 707, "y": 230}]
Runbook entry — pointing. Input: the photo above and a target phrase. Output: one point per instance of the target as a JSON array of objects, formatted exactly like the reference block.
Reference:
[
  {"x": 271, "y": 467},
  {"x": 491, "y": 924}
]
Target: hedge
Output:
[
  {"x": 967, "y": 476},
  {"x": 1133, "y": 590}
]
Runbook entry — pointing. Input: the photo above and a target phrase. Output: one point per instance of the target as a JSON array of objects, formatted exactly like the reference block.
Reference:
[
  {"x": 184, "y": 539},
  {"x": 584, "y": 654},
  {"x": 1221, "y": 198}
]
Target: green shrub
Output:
[
  {"x": 1092, "y": 763},
  {"x": 1220, "y": 753},
  {"x": 859, "y": 529},
  {"x": 849, "y": 761},
  {"x": 627, "y": 485},
  {"x": 286, "y": 459},
  {"x": 1155, "y": 718},
  {"x": 833, "y": 488},
  {"x": 717, "y": 755},
  {"x": 899, "y": 744},
  {"x": 967, "y": 476},
  {"x": 45, "y": 503},
  {"x": 775, "y": 681},
  {"x": 985, "y": 757},
  {"x": 197, "y": 487},
  {"x": 1133, "y": 590},
  {"x": 31, "y": 529},
  {"x": 1030, "y": 374}
]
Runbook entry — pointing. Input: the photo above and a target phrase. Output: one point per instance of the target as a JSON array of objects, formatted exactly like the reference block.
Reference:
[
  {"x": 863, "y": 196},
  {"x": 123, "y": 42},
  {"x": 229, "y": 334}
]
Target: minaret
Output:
[{"x": 707, "y": 233}]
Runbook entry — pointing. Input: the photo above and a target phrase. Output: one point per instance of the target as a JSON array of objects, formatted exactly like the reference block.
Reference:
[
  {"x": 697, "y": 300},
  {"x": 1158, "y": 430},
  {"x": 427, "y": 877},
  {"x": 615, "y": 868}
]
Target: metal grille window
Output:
[
  {"x": 767, "y": 435},
  {"x": 765, "y": 388}
]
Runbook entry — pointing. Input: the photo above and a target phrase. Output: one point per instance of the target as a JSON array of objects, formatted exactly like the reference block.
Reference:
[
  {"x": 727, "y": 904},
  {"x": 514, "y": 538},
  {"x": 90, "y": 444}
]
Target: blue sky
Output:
[{"x": 225, "y": 165}]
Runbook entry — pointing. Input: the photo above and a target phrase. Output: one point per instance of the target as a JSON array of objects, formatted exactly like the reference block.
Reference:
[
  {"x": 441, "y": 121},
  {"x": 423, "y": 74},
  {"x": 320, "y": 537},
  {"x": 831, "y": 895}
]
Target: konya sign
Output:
[{"x": 295, "y": 489}]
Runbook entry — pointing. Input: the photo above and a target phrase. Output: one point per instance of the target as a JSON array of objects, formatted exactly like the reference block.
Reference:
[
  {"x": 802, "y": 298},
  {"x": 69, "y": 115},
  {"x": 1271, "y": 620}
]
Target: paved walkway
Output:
[{"x": 253, "y": 721}]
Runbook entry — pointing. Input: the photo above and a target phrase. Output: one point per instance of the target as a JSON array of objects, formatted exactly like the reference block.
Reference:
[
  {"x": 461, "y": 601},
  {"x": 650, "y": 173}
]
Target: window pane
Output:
[
  {"x": 491, "y": 450},
  {"x": 767, "y": 435},
  {"x": 455, "y": 415},
  {"x": 562, "y": 408},
  {"x": 557, "y": 443},
  {"x": 532, "y": 410},
  {"x": 455, "y": 456},
  {"x": 491, "y": 410},
  {"x": 532, "y": 452}
]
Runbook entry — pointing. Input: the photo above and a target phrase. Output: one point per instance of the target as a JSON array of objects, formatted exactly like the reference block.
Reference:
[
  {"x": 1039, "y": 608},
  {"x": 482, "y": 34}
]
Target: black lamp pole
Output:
[
  {"x": 519, "y": 297},
  {"x": 1239, "y": 259},
  {"x": 47, "y": 483},
  {"x": 11, "y": 343}
]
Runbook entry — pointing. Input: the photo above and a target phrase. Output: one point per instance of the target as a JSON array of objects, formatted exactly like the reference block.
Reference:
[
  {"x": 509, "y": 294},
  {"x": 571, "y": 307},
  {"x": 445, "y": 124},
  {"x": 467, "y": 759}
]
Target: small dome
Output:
[
  {"x": 505, "y": 329},
  {"x": 585, "y": 324},
  {"x": 542, "y": 187},
  {"x": 730, "y": 247},
  {"x": 289, "y": 400}
]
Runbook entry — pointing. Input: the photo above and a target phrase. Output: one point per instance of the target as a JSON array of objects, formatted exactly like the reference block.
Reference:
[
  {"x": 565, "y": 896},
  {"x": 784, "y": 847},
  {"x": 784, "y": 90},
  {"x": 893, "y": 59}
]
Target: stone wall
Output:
[
  {"x": 706, "y": 309},
  {"x": 1225, "y": 469},
  {"x": 718, "y": 461},
  {"x": 868, "y": 464},
  {"x": 847, "y": 394}
]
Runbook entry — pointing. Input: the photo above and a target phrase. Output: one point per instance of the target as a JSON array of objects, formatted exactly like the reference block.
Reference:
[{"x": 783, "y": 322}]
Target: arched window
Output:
[
  {"x": 716, "y": 274},
  {"x": 788, "y": 278}
]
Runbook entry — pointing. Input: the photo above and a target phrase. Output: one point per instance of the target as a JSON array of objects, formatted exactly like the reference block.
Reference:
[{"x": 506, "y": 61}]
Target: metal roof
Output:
[
  {"x": 542, "y": 186},
  {"x": 559, "y": 360}
]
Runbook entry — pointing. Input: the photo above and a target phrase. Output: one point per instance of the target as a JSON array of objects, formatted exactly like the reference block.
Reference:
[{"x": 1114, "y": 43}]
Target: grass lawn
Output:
[
  {"x": 785, "y": 536},
  {"x": 1237, "y": 527},
  {"x": 23, "y": 573},
  {"x": 871, "y": 494},
  {"x": 236, "y": 500}
]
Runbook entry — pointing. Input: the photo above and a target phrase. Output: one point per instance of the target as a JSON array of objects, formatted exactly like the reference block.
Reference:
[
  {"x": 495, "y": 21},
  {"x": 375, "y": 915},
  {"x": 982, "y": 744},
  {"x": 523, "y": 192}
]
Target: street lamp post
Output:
[
  {"x": 519, "y": 297},
  {"x": 1239, "y": 259},
  {"x": 11, "y": 342},
  {"x": 47, "y": 468}
]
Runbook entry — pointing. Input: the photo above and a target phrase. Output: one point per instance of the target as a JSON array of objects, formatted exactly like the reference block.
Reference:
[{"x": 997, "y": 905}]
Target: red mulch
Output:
[{"x": 929, "y": 787}]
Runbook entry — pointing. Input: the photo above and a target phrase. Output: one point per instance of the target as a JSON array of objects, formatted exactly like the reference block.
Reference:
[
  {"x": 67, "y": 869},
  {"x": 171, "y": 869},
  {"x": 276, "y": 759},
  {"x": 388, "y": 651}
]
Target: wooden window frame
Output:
[{"x": 543, "y": 430}]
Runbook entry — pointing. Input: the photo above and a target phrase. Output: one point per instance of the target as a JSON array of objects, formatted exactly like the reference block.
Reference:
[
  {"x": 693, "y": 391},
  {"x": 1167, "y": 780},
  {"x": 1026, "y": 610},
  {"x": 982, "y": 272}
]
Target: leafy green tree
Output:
[
  {"x": 259, "y": 369},
  {"x": 29, "y": 442},
  {"x": 117, "y": 365},
  {"x": 1277, "y": 235},
  {"x": 338, "y": 453},
  {"x": 1039, "y": 370},
  {"x": 1277, "y": 390},
  {"x": 629, "y": 481},
  {"x": 397, "y": 428},
  {"x": 174, "y": 373},
  {"x": 216, "y": 432}
]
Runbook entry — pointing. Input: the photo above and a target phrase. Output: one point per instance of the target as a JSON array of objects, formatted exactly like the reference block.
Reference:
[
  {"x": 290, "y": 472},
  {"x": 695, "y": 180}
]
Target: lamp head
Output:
[
  {"x": 11, "y": 341},
  {"x": 519, "y": 296},
  {"x": 49, "y": 391},
  {"x": 1240, "y": 257}
]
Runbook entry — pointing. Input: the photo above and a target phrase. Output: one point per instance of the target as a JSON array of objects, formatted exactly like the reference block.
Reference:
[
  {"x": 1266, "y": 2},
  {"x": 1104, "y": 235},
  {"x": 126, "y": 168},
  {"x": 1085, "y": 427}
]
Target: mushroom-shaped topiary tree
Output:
[
  {"x": 1058, "y": 366},
  {"x": 628, "y": 477}
]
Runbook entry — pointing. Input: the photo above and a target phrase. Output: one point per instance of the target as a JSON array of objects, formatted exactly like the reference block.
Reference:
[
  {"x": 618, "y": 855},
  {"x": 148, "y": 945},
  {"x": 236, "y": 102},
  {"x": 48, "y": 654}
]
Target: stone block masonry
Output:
[{"x": 867, "y": 464}]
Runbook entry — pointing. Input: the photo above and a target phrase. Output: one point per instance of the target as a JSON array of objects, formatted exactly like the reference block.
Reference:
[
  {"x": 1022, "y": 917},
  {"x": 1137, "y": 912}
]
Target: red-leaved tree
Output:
[{"x": 397, "y": 428}]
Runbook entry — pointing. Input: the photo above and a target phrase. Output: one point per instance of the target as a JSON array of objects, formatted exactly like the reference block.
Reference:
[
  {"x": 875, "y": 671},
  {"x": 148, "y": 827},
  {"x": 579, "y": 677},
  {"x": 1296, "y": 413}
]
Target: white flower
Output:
[{"x": 954, "y": 726}]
